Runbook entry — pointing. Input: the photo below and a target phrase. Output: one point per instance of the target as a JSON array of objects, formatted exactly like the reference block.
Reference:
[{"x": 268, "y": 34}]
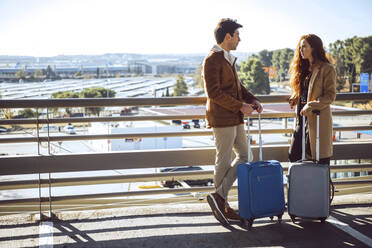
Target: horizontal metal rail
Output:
[
  {"x": 204, "y": 189},
  {"x": 101, "y": 119},
  {"x": 162, "y": 101},
  {"x": 150, "y": 177},
  {"x": 30, "y": 164},
  {"x": 352, "y": 128},
  {"x": 153, "y": 135},
  {"x": 161, "y": 117},
  {"x": 126, "y": 136}
]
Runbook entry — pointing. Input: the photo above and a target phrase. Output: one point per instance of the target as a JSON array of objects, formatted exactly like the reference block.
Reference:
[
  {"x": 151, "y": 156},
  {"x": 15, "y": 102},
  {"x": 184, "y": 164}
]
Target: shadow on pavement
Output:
[
  {"x": 306, "y": 234},
  {"x": 195, "y": 229}
]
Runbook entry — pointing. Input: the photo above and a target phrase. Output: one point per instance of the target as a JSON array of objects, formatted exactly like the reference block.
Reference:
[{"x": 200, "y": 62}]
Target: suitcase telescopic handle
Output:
[
  {"x": 249, "y": 141},
  {"x": 317, "y": 112},
  {"x": 303, "y": 137},
  {"x": 259, "y": 134}
]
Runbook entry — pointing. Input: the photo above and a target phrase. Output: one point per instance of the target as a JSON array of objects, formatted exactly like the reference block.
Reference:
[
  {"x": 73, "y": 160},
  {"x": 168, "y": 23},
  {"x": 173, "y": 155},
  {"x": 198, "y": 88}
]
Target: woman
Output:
[{"x": 313, "y": 86}]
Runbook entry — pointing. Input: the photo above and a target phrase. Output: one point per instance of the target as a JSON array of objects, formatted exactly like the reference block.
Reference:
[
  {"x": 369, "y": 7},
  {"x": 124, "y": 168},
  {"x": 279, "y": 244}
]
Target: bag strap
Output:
[{"x": 332, "y": 191}]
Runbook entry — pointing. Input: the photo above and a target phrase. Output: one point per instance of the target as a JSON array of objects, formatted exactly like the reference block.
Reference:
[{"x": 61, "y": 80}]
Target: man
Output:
[{"x": 227, "y": 103}]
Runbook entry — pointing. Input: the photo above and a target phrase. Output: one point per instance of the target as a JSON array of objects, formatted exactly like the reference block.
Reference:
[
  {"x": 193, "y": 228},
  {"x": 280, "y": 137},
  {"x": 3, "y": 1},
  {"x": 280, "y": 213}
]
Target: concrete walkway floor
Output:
[{"x": 190, "y": 225}]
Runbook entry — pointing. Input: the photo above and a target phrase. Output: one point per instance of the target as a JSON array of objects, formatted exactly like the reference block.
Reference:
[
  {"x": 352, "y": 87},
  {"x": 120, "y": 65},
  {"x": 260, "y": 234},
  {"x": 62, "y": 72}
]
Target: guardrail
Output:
[{"x": 54, "y": 163}]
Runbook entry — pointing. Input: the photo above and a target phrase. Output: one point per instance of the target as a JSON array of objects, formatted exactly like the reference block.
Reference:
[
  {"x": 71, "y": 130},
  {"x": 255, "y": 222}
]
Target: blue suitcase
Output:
[{"x": 260, "y": 187}]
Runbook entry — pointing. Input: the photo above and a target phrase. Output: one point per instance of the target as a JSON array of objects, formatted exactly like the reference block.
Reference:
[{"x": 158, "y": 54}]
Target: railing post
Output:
[
  {"x": 43, "y": 217},
  {"x": 38, "y": 152},
  {"x": 49, "y": 174}
]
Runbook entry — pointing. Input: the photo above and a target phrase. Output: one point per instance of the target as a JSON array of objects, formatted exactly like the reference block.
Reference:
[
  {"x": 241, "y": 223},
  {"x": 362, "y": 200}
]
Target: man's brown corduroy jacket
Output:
[{"x": 225, "y": 93}]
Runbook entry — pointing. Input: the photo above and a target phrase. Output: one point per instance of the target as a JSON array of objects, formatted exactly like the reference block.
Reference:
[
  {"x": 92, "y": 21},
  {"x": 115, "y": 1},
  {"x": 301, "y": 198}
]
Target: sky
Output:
[{"x": 70, "y": 27}]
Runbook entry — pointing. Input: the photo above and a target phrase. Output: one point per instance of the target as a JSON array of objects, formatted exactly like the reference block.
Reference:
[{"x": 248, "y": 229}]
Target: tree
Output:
[
  {"x": 285, "y": 60},
  {"x": 128, "y": 68},
  {"x": 367, "y": 55},
  {"x": 77, "y": 74},
  {"x": 50, "y": 74},
  {"x": 21, "y": 74},
  {"x": 253, "y": 77},
  {"x": 276, "y": 63},
  {"x": 180, "y": 88},
  {"x": 265, "y": 57},
  {"x": 281, "y": 60},
  {"x": 97, "y": 72},
  {"x": 336, "y": 57},
  {"x": 167, "y": 92},
  {"x": 96, "y": 92},
  {"x": 27, "y": 113},
  {"x": 352, "y": 57},
  {"x": 38, "y": 74},
  {"x": 8, "y": 113},
  {"x": 198, "y": 77},
  {"x": 64, "y": 94}
]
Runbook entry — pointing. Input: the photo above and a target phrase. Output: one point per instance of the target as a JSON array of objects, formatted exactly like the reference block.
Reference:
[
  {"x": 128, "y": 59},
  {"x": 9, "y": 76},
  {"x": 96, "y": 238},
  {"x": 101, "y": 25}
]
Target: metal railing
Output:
[{"x": 54, "y": 163}]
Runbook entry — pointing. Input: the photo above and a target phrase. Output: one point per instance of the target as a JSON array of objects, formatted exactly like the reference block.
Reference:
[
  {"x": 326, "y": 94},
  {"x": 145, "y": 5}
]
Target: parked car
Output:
[
  {"x": 203, "y": 123},
  {"x": 199, "y": 182},
  {"x": 178, "y": 122},
  {"x": 196, "y": 123},
  {"x": 69, "y": 129},
  {"x": 3, "y": 130},
  {"x": 186, "y": 126},
  {"x": 52, "y": 128}
]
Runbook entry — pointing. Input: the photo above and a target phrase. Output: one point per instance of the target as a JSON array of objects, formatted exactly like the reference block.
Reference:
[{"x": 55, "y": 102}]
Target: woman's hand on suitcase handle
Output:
[
  {"x": 317, "y": 112},
  {"x": 303, "y": 112}
]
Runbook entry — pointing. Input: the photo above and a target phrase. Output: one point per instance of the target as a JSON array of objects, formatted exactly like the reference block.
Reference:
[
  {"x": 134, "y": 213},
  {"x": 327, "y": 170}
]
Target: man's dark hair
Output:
[{"x": 224, "y": 26}]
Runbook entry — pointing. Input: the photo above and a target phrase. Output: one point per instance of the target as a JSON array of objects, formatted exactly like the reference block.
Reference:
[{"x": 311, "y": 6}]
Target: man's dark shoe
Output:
[
  {"x": 217, "y": 204},
  {"x": 230, "y": 213}
]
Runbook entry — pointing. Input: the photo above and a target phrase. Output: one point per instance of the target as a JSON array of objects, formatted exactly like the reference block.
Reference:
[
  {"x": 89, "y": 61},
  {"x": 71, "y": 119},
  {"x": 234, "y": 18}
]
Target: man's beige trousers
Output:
[{"x": 228, "y": 139}]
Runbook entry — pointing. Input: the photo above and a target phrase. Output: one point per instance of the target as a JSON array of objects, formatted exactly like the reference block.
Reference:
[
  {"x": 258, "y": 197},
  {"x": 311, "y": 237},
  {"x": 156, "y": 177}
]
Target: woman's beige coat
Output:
[{"x": 321, "y": 94}]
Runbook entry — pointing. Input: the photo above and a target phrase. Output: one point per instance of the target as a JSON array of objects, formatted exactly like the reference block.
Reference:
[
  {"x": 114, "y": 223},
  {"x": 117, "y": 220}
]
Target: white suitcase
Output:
[{"x": 309, "y": 185}]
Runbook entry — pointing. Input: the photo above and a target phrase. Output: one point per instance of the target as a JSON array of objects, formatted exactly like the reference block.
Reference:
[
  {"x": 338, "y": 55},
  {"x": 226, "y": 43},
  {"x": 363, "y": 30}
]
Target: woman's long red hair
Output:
[{"x": 299, "y": 66}]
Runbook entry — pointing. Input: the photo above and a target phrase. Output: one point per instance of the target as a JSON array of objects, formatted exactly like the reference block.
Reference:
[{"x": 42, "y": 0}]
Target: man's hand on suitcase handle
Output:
[
  {"x": 247, "y": 109},
  {"x": 257, "y": 106}
]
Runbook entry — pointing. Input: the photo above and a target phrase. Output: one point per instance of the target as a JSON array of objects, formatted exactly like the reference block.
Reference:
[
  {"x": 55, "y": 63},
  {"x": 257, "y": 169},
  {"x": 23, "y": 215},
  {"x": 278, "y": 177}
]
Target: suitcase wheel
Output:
[
  {"x": 280, "y": 218},
  {"x": 293, "y": 218},
  {"x": 247, "y": 223}
]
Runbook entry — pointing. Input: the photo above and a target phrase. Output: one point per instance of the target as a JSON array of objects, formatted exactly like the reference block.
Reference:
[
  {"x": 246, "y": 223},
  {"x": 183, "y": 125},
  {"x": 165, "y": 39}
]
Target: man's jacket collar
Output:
[{"x": 228, "y": 56}]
